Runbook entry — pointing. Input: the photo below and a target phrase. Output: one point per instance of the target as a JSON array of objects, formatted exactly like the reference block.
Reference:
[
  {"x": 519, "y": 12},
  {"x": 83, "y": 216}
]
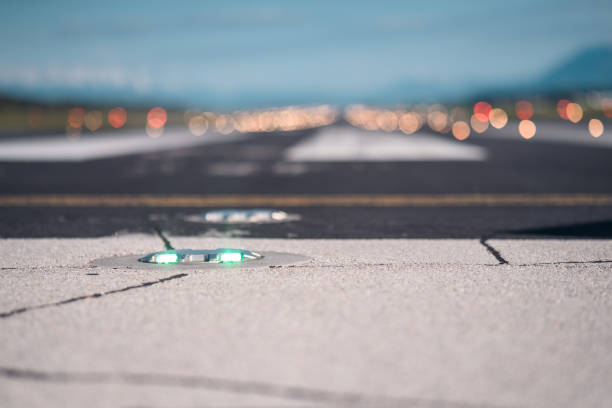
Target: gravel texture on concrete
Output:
[
  {"x": 72, "y": 252},
  {"x": 359, "y": 251},
  {"x": 377, "y": 322},
  {"x": 19, "y": 393},
  {"x": 38, "y": 286}
]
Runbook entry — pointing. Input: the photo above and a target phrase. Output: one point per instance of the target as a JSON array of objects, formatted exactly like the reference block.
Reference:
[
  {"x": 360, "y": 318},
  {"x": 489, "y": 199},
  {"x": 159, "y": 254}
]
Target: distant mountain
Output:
[
  {"x": 587, "y": 70},
  {"x": 590, "y": 68}
]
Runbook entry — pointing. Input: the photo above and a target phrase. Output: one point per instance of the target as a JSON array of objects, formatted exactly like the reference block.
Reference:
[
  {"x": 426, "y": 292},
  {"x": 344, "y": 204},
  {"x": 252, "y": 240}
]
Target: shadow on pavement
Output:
[{"x": 599, "y": 229}]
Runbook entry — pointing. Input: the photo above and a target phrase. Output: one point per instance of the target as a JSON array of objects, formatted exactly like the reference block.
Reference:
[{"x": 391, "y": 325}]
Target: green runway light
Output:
[
  {"x": 230, "y": 257},
  {"x": 201, "y": 256},
  {"x": 166, "y": 258}
]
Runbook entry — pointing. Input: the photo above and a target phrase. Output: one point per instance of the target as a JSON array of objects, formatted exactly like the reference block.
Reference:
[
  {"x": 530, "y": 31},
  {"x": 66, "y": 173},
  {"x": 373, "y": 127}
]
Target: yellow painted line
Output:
[{"x": 309, "y": 200}]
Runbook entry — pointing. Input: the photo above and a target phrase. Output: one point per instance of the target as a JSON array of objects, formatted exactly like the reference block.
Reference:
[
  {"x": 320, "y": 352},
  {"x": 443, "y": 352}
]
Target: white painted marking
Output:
[
  {"x": 345, "y": 143},
  {"x": 104, "y": 145}
]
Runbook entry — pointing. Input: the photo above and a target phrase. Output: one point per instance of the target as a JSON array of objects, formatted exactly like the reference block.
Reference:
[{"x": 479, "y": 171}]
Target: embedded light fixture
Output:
[
  {"x": 243, "y": 216},
  {"x": 166, "y": 258},
  {"x": 199, "y": 256}
]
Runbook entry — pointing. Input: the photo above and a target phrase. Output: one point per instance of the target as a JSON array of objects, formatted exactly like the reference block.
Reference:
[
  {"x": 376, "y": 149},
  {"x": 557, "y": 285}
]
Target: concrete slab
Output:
[
  {"x": 36, "y": 272},
  {"x": 358, "y": 324},
  {"x": 358, "y": 251},
  {"x": 19, "y": 393},
  {"x": 52, "y": 252},
  {"x": 527, "y": 251},
  {"x": 39, "y": 286}
]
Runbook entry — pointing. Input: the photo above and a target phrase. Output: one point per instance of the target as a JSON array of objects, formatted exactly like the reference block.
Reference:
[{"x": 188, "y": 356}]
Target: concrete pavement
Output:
[{"x": 365, "y": 322}]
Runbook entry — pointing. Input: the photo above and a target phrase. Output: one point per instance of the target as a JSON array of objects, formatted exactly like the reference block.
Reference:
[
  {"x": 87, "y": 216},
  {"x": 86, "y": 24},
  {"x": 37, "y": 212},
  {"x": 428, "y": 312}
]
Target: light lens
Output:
[
  {"x": 230, "y": 257},
  {"x": 166, "y": 258}
]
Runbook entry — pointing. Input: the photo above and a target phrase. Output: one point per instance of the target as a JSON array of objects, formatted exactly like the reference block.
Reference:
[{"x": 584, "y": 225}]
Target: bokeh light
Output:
[
  {"x": 482, "y": 110},
  {"x": 154, "y": 132},
  {"x": 198, "y": 125},
  {"x": 93, "y": 120},
  {"x": 527, "y": 129},
  {"x": 524, "y": 110},
  {"x": 387, "y": 121},
  {"x": 438, "y": 121},
  {"x": 606, "y": 107},
  {"x": 117, "y": 117},
  {"x": 574, "y": 112},
  {"x": 461, "y": 130},
  {"x": 596, "y": 127},
  {"x": 157, "y": 117},
  {"x": 373, "y": 118},
  {"x": 561, "y": 108},
  {"x": 409, "y": 123},
  {"x": 76, "y": 116},
  {"x": 264, "y": 119},
  {"x": 190, "y": 113},
  {"x": 225, "y": 124},
  {"x": 498, "y": 118},
  {"x": 478, "y": 125}
]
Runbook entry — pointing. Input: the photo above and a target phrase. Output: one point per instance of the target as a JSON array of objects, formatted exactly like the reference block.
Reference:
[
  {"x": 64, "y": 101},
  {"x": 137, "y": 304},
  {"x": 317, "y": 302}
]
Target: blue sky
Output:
[{"x": 237, "y": 53}]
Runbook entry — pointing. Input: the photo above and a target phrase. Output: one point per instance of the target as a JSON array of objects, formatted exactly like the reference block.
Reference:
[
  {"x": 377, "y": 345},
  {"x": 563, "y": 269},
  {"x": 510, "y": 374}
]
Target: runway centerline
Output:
[{"x": 307, "y": 200}]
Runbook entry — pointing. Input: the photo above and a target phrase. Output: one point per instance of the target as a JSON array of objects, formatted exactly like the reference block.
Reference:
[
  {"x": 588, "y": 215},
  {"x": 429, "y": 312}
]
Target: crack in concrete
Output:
[
  {"x": 14, "y": 312},
  {"x": 165, "y": 240},
  {"x": 493, "y": 251},
  {"x": 389, "y": 264},
  {"x": 235, "y": 386},
  {"x": 79, "y": 267},
  {"x": 599, "y": 261}
]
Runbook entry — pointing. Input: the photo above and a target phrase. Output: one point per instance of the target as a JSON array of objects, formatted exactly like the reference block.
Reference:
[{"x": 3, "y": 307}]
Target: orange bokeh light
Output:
[
  {"x": 76, "y": 116},
  {"x": 482, "y": 110},
  {"x": 498, "y": 118},
  {"x": 157, "y": 117},
  {"x": 198, "y": 125},
  {"x": 117, "y": 117},
  {"x": 527, "y": 129},
  {"x": 524, "y": 110},
  {"x": 438, "y": 121},
  {"x": 573, "y": 111},
  {"x": 387, "y": 121},
  {"x": 461, "y": 130},
  {"x": 478, "y": 125},
  {"x": 562, "y": 108},
  {"x": 596, "y": 127},
  {"x": 225, "y": 124},
  {"x": 409, "y": 123}
]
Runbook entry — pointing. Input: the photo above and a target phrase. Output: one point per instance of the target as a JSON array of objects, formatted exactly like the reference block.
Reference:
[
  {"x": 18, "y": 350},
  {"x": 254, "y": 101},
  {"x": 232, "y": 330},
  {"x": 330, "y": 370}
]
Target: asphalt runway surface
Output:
[{"x": 336, "y": 161}]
